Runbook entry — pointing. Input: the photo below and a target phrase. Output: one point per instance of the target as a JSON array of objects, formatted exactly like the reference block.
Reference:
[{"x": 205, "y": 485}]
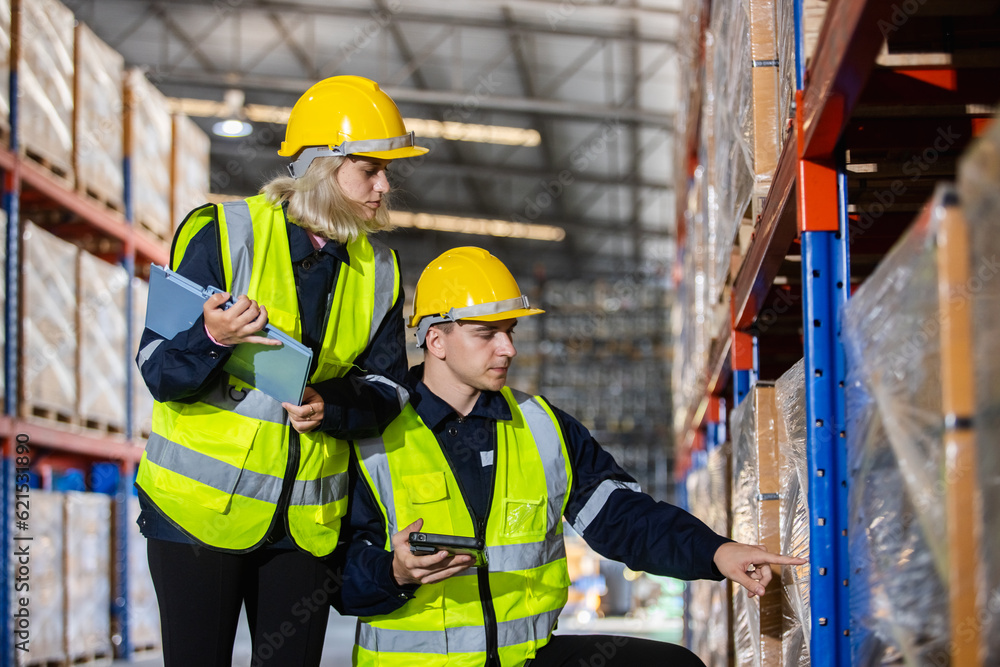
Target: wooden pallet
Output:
[
  {"x": 51, "y": 414},
  {"x": 112, "y": 202},
  {"x": 153, "y": 230},
  {"x": 60, "y": 171},
  {"x": 103, "y": 427},
  {"x": 91, "y": 659}
]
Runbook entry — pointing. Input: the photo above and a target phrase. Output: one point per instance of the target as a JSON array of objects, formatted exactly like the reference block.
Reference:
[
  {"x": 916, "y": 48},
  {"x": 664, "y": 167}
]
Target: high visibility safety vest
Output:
[
  {"x": 508, "y": 609},
  {"x": 216, "y": 467}
]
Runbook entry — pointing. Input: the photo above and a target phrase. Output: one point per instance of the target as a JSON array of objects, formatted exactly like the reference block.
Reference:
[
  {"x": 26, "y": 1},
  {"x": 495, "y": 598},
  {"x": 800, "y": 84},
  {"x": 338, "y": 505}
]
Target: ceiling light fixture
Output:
[
  {"x": 480, "y": 226},
  {"x": 233, "y": 125}
]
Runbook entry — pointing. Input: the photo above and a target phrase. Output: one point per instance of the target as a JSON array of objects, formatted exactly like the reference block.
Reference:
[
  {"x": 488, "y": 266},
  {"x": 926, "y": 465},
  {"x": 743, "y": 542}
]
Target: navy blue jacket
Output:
[
  {"x": 646, "y": 535},
  {"x": 355, "y": 408}
]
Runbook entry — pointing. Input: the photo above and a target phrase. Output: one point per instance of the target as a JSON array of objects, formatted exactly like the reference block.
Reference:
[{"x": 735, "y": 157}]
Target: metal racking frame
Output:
[
  {"x": 811, "y": 172},
  {"x": 17, "y": 171}
]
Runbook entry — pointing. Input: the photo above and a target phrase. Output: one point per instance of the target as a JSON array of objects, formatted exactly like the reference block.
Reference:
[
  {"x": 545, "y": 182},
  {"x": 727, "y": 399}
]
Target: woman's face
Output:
[{"x": 363, "y": 180}]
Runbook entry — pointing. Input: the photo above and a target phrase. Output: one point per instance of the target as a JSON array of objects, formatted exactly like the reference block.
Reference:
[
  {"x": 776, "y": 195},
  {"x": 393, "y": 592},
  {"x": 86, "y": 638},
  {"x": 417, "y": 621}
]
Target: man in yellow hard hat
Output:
[
  {"x": 471, "y": 458},
  {"x": 242, "y": 496}
]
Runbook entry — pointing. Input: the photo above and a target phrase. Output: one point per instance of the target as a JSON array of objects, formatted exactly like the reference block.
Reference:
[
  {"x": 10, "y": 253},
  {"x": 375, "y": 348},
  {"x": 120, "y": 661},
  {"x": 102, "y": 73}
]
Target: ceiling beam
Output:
[{"x": 457, "y": 99}]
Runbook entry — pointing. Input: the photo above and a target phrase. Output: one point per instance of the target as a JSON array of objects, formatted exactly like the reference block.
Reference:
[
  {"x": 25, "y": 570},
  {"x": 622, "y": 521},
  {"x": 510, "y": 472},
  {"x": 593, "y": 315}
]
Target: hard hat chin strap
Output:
[
  {"x": 477, "y": 310},
  {"x": 298, "y": 168}
]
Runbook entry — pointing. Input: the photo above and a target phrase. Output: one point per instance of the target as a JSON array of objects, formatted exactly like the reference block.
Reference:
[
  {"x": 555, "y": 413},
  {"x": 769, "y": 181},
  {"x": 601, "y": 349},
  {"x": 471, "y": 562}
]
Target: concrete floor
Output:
[{"x": 340, "y": 638}]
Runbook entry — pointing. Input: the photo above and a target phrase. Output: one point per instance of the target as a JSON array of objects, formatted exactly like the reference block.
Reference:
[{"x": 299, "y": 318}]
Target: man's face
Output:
[{"x": 478, "y": 354}]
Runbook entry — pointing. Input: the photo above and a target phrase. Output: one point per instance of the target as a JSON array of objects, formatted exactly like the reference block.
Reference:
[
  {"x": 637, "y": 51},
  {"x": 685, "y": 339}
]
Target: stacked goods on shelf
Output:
[
  {"x": 745, "y": 127},
  {"x": 97, "y": 139},
  {"x": 189, "y": 168},
  {"x": 756, "y": 520},
  {"x": 813, "y": 13},
  {"x": 709, "y": 495},
  {"x": 690, "y": 69},
  {"x": 897, "y": 532},
  {"x": 47, "y": 581},
  {"x": 101, "y": 344},
  {"x": 148, "y": 146},
  {"x": 690, "y": 325},
  {"x": 43, "y": 46},
  {"x": 601, "y": 360},
  {"x": 88, "y": 571},
  {"x": 142, "y": 400},
  {"x": 790, "y": 397},
  {"x": 49, "y": 347},
  {"x": 143, "y": 614},
  {"x": 5, "y": 70},
  {"x": 979, "y": 193}
]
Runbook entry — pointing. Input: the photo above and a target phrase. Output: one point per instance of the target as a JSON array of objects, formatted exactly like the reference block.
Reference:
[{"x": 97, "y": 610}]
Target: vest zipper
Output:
[{"x": 483, "y": 574}]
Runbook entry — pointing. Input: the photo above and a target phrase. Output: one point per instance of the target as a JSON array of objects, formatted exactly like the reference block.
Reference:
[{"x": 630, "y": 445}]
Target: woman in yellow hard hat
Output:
[{"x": 242, "y": 496}]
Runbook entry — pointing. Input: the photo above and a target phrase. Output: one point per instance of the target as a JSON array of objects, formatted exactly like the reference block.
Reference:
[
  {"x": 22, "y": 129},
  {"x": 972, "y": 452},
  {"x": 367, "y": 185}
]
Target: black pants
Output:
[
  {"x": 287, "y": 595},
  {"x": 612, "y": 651}
]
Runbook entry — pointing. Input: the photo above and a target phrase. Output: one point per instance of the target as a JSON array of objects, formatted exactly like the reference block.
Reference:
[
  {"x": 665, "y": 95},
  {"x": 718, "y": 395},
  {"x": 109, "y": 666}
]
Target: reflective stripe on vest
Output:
[
  {"x": 216, "y": 467},
  {"x": 454, "y": 640},
  {"x": 527, "y": 556},
  {"x": 598, "y": 499}
]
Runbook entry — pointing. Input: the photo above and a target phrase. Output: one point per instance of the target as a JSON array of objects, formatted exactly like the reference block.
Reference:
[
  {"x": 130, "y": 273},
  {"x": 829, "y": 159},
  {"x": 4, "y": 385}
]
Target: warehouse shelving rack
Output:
[
  {"x": 24, "y": 178},
  {"x": 856, "y": 99}
]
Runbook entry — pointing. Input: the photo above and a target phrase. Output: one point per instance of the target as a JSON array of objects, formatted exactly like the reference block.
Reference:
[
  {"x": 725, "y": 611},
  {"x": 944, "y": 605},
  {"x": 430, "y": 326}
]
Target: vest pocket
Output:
[
  {"x": 204, "y": 458},
  {"x": 524, "y": 518},
  {"x": 427, "y": 495}
]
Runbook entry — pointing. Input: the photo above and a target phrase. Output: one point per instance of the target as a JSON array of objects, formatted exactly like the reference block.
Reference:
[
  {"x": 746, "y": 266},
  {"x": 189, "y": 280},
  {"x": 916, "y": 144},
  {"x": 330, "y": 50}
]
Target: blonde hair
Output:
[{"x": 317, "y": 203}]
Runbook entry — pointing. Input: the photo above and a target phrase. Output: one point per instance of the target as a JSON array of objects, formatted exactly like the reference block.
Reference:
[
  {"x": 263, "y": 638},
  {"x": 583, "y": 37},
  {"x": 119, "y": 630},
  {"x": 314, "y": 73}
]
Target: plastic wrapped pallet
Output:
[
  {"x": 5, "y": 70},
  {"x": 142, "y": 400},
  {"x": 88, "y": 575},
  {"x": 710, "y": 611},
  {"x": 44, "y": 46},
  {"x": 756, "y": 520},
  {"x": 813, "y": 15},
  {"x": 148, "y": 145},
  {"x": 189, "y": 168},
  {"x": 790, "y": 400},
  {"x": 896, "y": 524},
  {"x": 745, "y": 125},
  {"x": 102, "y": 344},
  {"x": 46, "y": 580},
  {"x": 143, "y": 614},
  {"x": 49, "y": 325},
  {"x": 979, "y": 192},
  {"x": 97, "y": 144}
]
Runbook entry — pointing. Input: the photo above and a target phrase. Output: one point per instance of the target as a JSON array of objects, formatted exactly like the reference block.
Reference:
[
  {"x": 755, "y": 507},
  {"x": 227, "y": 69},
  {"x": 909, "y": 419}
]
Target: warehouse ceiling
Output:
[{"x": 596, "y": 79}]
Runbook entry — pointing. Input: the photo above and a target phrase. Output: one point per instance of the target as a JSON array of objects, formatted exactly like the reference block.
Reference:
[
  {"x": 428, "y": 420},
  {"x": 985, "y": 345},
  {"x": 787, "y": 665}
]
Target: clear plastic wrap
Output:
[
  {"x": 88, "y": 575},
  {"x": 148, "y": 144},
  {"x": 897, "y": 535},
  {"x": 143, "y": 614},
  {"x": 745, "y": 125},
  {"x": 710, "y": 611},
  {"x": 46, "y": 580},
  {"x": 189, "y": 168},
  {"x": 50, "y": 340},
  {"x": 102, "y": 343},
  {"x": 45, "y": 82},
  {"x": 979, "y": 192},
  {"x": 790, "y": 400},
  {"x": 142, "y": 400},
  {"x": 5, "y": 69},
  {"x": 756, "y": 520},
  {"x": 97, "y": 148}
]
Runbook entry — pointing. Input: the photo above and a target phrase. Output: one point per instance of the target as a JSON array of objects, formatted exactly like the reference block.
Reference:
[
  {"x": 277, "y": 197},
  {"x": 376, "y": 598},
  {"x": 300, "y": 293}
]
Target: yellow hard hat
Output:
[
  {"x": 345, "y": 115},
  {"x": 466, "y": 283}
]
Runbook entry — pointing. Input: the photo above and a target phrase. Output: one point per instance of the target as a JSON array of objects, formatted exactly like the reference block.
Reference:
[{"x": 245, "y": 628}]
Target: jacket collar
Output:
[{"x": 434, "y": 411}]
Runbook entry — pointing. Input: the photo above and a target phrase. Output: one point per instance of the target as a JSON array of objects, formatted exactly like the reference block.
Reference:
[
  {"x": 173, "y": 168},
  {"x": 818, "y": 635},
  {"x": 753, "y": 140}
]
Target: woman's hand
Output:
[
  {"x": 309, "y": 415},
  {"x": 240, "y": 323},
  {"x": 408, "y": 568}
]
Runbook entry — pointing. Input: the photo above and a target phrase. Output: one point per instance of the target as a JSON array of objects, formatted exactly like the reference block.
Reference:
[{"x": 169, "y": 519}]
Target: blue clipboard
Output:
[{"x": 175, "y": 304}]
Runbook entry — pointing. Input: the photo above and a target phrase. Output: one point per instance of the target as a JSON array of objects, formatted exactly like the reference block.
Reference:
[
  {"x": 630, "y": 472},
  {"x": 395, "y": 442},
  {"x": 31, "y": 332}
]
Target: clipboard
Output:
[{"x": 175, "y": 304}]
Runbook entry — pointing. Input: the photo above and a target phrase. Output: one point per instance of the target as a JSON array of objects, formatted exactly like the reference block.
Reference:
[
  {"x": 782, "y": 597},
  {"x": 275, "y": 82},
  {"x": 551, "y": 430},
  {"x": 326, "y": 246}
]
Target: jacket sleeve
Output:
[
  {"x": 622, "y": 523},
  {"x": 176, "y": 369},
  {"x": 363, "y": 403},
  {"x": 369, "y": 588}
]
